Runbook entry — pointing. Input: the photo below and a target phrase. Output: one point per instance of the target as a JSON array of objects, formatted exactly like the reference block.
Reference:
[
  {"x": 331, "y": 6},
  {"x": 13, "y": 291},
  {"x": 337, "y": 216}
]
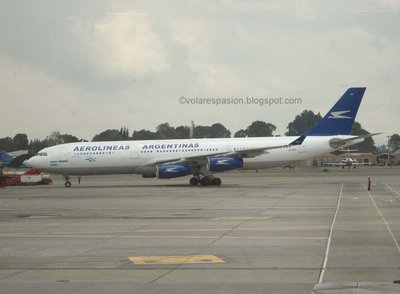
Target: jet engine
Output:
[
  {"x": 169, "y": 171},
  {"x": 224, "y": 163}
]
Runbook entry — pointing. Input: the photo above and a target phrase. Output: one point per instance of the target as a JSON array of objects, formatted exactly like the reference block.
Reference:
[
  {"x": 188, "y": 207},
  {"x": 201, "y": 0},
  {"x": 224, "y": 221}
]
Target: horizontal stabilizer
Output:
[{"x": 337, "y": 143}]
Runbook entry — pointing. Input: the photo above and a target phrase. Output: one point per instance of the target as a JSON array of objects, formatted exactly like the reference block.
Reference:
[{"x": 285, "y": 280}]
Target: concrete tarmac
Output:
[{"x": 274, "y": 231}]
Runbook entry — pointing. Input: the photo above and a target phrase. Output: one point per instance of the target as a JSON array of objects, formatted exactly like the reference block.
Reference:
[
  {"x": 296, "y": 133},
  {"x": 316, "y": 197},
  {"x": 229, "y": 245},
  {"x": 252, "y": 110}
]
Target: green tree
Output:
[
  {"x": 108, "y": 135},
  {"x": 124, "y": 133},
  {"x": 20, "y": 142},
  {"x": 144, "y": 135},
  {"x": 165, "y": 131},
  {"x": 260, "y": 129},
  {"x": 381, "y": 149},
  {"x": 240, "y": 134},
  {"x": 217, "y": 130},
  {"x": 368, "y": 145},
  {"x": 182, "y": 132},
  {"x": 36, "y": 145},
  {"x": 302, "y": 123},
  {"x": 66, "y": 138},
  {"x": 6, "y": 144},
  {"x": 394, "y": 142},
  {"x": 202, "y": 132},
  {"x": 54, "y": 139}
]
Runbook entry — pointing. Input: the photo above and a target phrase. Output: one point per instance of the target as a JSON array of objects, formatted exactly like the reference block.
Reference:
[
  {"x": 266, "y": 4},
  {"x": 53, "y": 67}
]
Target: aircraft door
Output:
[
  {"x": 63, "y": 155},
  {"x": 134, "y": 151},
  {"x": 301, "y": 148}
]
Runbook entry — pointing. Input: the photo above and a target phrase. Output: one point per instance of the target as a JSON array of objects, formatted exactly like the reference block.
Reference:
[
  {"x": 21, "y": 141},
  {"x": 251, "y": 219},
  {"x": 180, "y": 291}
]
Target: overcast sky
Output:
[{"x": 81, "y": 67}]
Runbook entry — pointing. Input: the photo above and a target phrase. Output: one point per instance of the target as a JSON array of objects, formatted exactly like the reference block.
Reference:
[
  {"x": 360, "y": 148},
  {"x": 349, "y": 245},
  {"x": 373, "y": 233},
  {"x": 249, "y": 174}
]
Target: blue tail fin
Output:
[
  {"x": 5, "y": 158},
  {"x": 339, "y": 120}
]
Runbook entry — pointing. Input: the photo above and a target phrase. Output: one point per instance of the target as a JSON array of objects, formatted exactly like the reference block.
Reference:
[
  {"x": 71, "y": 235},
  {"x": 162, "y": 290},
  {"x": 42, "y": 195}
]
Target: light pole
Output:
[
  {"x": 388, "y": 150},
  {"x": 191, "y": 130}
]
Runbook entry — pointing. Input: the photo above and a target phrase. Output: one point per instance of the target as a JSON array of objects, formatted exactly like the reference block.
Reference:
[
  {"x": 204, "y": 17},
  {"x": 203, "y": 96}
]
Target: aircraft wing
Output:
[
  {"x": 246, "y": 153},
  {"x": 359, "y": 163},
  {"x": 334, "y": 164},
  {"x": 338, "y": 164}
]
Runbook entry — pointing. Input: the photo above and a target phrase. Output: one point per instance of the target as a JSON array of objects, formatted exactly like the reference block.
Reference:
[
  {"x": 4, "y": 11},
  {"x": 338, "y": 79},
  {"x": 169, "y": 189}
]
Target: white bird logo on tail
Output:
[{"x": 339, "y": 114}]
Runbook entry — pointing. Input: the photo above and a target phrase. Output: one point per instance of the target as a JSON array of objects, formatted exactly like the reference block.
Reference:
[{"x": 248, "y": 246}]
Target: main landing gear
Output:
[{"x": 205, "y": 181}]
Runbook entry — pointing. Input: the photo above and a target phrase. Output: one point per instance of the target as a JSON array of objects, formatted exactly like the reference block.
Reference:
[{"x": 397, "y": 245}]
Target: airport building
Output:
[
  {"x": 368, "y": 159},
  {"x": 385, "y": 158}
]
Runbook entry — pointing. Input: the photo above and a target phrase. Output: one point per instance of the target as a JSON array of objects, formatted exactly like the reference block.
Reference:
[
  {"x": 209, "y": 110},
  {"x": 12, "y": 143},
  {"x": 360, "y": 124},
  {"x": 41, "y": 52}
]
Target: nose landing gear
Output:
[{"x": 67, "y": 183}]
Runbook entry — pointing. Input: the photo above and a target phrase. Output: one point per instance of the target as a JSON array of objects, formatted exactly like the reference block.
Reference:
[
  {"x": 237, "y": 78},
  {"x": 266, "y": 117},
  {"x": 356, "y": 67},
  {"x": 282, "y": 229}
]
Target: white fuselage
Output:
[{"x": 140, "y": 157}]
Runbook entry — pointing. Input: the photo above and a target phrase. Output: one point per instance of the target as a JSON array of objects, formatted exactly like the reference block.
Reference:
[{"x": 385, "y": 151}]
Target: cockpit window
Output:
[{"x": 41, "y": 154}]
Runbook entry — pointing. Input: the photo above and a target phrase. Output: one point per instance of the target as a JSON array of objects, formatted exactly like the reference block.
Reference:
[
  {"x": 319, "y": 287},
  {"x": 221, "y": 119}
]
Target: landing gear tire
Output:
[
  {"x": 194, "y": 181},
  {"x": 67, "y": 184},
  {"x": 216, "y": 182},
  {"x": 205, "y": 181}
]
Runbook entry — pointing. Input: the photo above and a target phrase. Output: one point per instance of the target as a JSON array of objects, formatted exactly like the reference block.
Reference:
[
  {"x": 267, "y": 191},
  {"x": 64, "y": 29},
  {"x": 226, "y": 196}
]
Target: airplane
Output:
[
  {"x": 202, "y": 158},
  {"x": 10, "y": 161},
  {"x": 349, "y": 162}
]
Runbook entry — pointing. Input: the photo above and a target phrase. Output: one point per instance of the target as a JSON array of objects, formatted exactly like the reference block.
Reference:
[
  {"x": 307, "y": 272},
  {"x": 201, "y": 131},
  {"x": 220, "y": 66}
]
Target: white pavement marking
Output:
[
  {"x": 384, "y": 220},
  {"x": 155, "y": 236},
  {"x": 239, "y": 229},
  {"x": 390, "y": 188},
  {"x": 175, "y": 208},
  {"x": 328, "y": 244}
]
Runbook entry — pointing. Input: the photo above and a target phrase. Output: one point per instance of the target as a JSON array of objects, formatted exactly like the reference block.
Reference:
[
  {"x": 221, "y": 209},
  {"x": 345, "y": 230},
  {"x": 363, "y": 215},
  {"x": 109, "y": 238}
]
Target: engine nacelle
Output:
[
  {"x": 169, "y": 171},
  {"x": 223, "y": 163}
]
